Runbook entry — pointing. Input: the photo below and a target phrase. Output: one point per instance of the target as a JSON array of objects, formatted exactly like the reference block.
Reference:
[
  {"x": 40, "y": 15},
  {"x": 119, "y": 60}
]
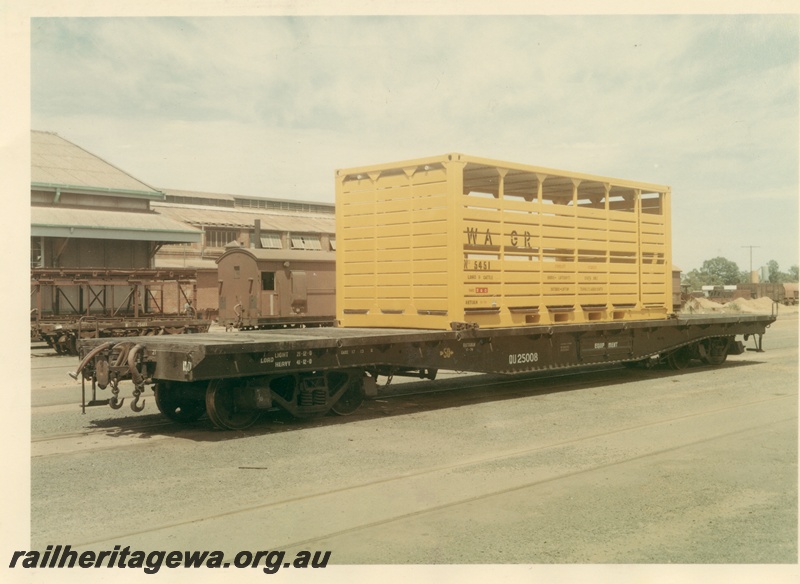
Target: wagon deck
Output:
[{"x": 232, "y": 376}]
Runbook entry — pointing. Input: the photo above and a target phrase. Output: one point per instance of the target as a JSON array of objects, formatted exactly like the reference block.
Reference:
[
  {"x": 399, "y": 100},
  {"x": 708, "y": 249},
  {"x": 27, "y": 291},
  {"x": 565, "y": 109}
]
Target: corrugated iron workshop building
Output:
[{"x": 87, "y": 213}]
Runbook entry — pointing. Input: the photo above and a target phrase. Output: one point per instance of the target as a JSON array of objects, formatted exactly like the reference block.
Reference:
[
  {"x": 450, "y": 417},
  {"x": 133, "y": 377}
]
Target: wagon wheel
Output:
[
  {"x": 716, "y": 350},
  {"x": 177, "y": 407},
  {"x": 222, "y": 407},
  {"x": 351, "y": 399},
  {"x": 679, "y": 359}
]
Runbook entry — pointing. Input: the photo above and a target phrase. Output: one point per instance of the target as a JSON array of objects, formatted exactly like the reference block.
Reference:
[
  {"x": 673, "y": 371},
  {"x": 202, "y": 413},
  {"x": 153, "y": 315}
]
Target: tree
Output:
[
  {"x": 714, "y": 272},
  {"x": 693, "y": 280},
  {"x": 774, "y": 272},
  {"x": 721, "y": 271},
  {"x": 778, "y": 277}
]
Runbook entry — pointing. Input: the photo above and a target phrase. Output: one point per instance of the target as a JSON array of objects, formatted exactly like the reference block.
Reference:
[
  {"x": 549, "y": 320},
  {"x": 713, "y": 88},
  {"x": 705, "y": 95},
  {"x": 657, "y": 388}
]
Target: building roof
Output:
[
  {"x": 182, "y": 197},
  {"x": 201, "y": 215},
  {"x": 101, "y": 224},
  {"x": 198, "y": 194},
  {"x": 58, "y": 163}
]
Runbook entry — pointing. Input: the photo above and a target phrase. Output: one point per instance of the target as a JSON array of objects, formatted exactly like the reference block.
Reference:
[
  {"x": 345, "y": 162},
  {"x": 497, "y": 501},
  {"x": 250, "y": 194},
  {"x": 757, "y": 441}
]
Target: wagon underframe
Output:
[{"x": 232, "y": 377}]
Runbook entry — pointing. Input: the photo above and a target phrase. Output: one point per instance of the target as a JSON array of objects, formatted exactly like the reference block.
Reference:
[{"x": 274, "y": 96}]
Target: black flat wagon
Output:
[{"x": 308, "y": 372}]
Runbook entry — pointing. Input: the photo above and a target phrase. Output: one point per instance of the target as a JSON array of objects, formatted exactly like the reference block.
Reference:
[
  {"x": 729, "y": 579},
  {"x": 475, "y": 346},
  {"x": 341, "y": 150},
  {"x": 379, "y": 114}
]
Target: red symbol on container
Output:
[{"x": 481, "y": 290}]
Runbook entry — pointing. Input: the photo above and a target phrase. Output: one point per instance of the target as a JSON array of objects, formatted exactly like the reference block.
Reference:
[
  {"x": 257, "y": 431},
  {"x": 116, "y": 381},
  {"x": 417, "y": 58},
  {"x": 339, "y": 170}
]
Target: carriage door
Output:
[
  {"x": 299, "y": 293},
  {"x": 269, "y": 300}
]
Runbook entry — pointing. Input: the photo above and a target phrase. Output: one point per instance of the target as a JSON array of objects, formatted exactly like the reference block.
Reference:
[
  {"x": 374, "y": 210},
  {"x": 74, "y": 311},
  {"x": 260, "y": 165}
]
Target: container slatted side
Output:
[
  {"x": 392, "y": 244},
  {"x": 457, "y": 239}
]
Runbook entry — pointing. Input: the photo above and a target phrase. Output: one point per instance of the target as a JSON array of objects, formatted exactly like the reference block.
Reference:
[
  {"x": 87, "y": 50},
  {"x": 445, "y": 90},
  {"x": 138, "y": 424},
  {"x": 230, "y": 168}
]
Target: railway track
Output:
[
  {"x": 439, "y": 474},
  {"x": 66, "y": 367},
  {"x": 98, "y": 432},
  {"x": 323, "y": 539},
  {"x": 448, "y": 392}
]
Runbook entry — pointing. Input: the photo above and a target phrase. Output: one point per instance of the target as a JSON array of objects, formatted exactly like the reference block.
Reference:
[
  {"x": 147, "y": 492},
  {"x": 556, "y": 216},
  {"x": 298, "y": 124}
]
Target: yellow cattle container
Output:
[{"x": 457, "y": 241}]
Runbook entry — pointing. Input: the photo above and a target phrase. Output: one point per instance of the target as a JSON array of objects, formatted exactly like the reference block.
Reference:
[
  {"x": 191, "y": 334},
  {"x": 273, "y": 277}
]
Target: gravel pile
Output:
[{"x": 749, "y": 306}]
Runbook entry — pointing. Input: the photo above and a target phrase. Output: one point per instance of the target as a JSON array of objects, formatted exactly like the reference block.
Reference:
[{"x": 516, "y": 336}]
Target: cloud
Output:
[{"x": 272, "y": 105}]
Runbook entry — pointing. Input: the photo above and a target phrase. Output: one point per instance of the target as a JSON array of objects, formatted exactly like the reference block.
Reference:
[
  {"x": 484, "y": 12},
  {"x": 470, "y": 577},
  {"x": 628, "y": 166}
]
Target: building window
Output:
[
  {"x": 277, "y": 205},
  {"x": 312, "y": 242},
  {"x": 333, "y": 243},
  {"x": 306, "y": 242},
  {"x": 185, "y": 200},
  {"x": 219, "y": 237},
  {"x": 268, "y": 281},
  {"x": 37, "y": 252},
  {"x": 271, "y": 241}
]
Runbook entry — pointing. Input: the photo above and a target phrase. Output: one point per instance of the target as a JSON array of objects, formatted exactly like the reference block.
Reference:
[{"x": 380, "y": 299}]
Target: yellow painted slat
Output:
[
  {"x": 430, "y": 269},
  {"x": 428, "y": 215},
  {"x": 386, "y": 291},
  {"x": 522, "y": 289},
  {"x": 523, "y": 301},
  {"x": 394, "y": 206},
  {"x": 349, "y": 269},
  {"x": 521, "y": 277},
  {"x": 355, "y": 244},
  {"x": 357, "y": 233},
  {"x": 356, "y": 222},
  {"x": 360, "y": 257},
  {"x": 358, "y": 292},
  {"x": 430, "y": 253},
  {"x": 363, "y": 280},
  {"x": 397, "y": 243},
  {"x": 431, "y": 298},
  {"x": 438, "y": 228}
]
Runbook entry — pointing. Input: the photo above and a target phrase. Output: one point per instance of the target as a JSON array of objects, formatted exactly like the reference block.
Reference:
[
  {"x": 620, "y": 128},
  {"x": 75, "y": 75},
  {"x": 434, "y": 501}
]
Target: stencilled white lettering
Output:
[{"x": 522, "y": 358}]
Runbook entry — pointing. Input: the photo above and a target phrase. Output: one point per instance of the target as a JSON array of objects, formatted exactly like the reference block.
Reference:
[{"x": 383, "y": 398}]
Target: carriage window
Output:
[{"x": 268, "y": 281}]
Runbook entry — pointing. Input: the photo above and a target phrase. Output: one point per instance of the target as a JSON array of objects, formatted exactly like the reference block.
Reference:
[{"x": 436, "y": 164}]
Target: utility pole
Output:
[{"x": 751, "y": 258}]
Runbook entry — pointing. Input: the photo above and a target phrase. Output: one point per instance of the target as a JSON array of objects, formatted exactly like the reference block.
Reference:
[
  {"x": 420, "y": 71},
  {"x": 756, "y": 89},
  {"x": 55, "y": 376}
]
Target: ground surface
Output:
[{"x": 620, "y": 466}]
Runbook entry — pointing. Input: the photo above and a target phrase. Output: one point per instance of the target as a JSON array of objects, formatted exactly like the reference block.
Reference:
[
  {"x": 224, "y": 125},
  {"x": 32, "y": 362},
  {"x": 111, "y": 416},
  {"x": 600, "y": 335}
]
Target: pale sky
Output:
[{"x": 271, "y": 106}]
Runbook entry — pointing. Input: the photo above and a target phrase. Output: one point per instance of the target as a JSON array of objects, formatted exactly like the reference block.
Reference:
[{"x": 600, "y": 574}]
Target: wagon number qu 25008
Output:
[{"x": 520, "y": 358}]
